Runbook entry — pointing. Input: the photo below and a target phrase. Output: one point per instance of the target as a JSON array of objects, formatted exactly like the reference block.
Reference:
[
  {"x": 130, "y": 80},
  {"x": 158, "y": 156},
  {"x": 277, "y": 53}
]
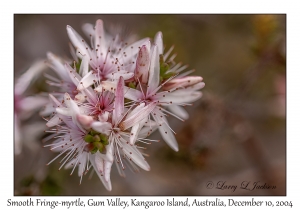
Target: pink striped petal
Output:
[{"x": 142, "y": 64}]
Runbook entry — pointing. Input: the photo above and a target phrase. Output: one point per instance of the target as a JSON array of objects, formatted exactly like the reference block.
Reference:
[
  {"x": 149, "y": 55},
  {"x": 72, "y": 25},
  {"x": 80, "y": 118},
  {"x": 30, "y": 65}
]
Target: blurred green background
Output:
[{"x": 236, "y": 132}]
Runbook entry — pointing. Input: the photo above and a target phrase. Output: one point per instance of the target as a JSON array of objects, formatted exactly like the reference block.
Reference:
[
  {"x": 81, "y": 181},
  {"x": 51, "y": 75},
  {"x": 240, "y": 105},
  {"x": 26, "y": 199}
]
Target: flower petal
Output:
[
  {"x": 82, "y": 163},
  {"x": 64, "y": 111},
  {"x": 99, "y": 162},
  {"x": 25, "y": 79},
  {"x": 165, "y": 129},
  {"x": 54, "y": 101},
  {"x": 107, "y": 170},
  {"x": 84, "y": 120},
  {"x": 103, "y": 117},
  {"x": 107, "y": 184},
  {"x": 122, "y": 73},
  {"x": 168, "y": 136},
  {"x": 179, "y": 111},
  {"x": 147, "y": 130},
  {"x": 135, "y": 110},
  {"x": 80, "y": 98},
  {"x": 74, "y": 77},
  {"x": 153, "y": 81},
  {"x": 100, "y": 37},
  {"x": 158, "y": 40},
  {"x": 135, "y": 131},
  {"x": 88, "y": 29},
  {"x": 53, "y": 121},
  {"x": 129, "y": 93},
  {"x": 109, "y": 160},
  {"x": 179, "y": 97},
  {"x": 182, "y": 82},
  {"x": 48, "y": 109},
  {"x": 133, "y": 154},
  {"x": 84, "y": 66},
  {"x": 132, "y": 50},
  {"x": 137, "y": 117},
  {"x": 32, "y": 103},
  {"x": 87, "y": 81},
  {"x": 58, "y": 66},
  {"x": 77, "y": 41},
  {"x": 102, "y": 127},
  {"x": 119, "y": 102},
  {"x": 143, "y": 63}
]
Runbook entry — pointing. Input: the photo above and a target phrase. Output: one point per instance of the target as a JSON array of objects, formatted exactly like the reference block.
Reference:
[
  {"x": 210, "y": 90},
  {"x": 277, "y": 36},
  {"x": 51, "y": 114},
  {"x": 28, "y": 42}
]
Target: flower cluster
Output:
[{"x": 111, "y": 97}]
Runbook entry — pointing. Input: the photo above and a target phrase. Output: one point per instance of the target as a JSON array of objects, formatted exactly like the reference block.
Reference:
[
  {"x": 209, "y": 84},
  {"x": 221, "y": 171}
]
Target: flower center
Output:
[{"x": 96, "y": 142}]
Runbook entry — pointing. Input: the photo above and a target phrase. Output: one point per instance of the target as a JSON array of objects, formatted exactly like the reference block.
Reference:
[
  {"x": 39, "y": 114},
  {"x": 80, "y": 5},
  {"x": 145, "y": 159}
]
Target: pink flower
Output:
[
  {"x": 107, "y": 58},
  {"x": 69, "y": 135},
  {"x": 178, "y": 92},
  {"x": 77, "y": 136},
  {"x": 114, "y": 96},
  {"x": 118, "y": 136}
]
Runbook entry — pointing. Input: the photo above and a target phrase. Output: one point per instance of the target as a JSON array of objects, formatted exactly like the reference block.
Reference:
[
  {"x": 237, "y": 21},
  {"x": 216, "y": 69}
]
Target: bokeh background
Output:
[{"x": 235, "y": 133}]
